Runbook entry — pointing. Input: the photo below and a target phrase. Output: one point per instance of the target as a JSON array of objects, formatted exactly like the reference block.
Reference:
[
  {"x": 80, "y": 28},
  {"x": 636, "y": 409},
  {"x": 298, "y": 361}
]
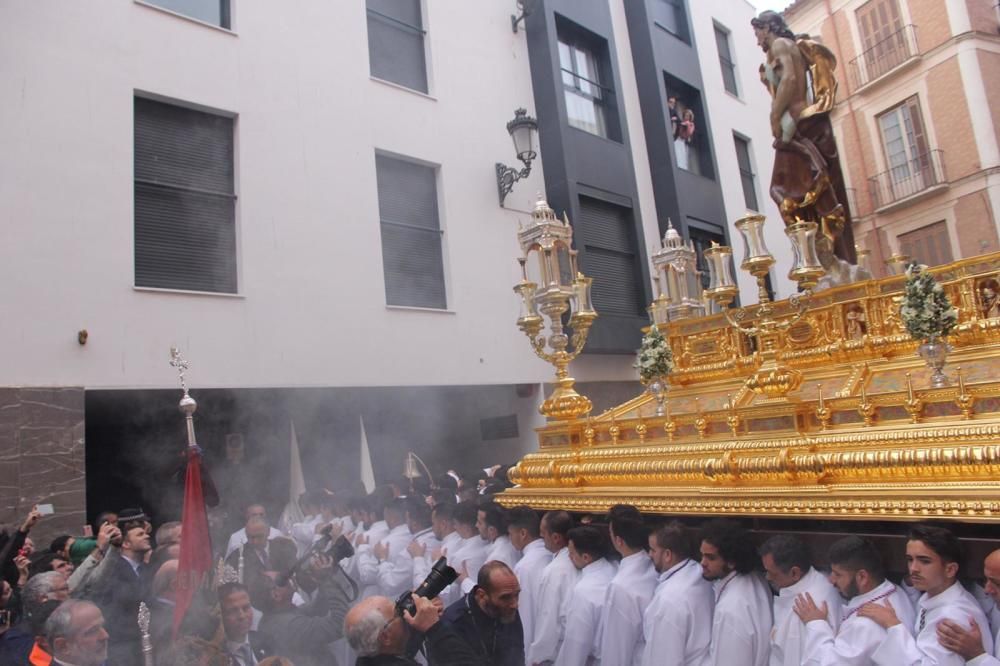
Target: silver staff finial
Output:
[{"x": 180, "y": 364}]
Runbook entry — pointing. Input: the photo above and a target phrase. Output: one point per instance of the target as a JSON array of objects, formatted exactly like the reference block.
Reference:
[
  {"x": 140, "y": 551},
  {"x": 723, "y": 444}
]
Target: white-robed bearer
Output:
[
  {"x": 788, "y": 569},
  {"x": 965, "y": 638},
  {"x": 445, "y": 536},
  {"x": 630, "y": 591},
  {"x": 677, "y": 626},
  {"x": 856, "y": 570},
  {"x": 933, "y": 555},
  {"x": 588, "y": 549},
  {"x": 468, "y": 555},
  {"x": 375, "y": 559},
  {"x": 524, "y": 530},
  {"x": 558, "y": 579},
  {"x": 395, "y": 568},
  {"x": 741, "y": 623},
  {"x": 491, "y": 523}
]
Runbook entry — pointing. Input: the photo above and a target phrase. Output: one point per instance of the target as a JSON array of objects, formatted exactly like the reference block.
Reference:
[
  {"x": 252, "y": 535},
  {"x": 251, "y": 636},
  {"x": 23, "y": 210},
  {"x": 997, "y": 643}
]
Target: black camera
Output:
[
  {"x": 341, "y": 549},
  {"x": 440, "y": 577}
]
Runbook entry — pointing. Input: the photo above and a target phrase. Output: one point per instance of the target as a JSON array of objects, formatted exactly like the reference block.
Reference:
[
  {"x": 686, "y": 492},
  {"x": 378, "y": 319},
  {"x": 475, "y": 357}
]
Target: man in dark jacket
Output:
[
  {"x": 487, "y": 618},
  {"x": 381, "y": 636}
]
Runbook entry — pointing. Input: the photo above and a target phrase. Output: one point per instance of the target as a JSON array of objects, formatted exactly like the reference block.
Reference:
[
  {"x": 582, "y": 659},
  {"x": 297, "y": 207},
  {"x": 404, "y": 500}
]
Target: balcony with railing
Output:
[
  {"x": 852, "y": 202},
  {"x": 884, "y": 56},
  {"x": 908, "y": 180}
]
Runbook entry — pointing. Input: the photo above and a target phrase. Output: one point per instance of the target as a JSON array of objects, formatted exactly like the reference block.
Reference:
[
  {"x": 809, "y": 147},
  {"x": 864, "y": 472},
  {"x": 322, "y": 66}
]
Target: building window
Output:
[
  {"x": 215, "y": 12},
  {"x": 583, "y": 90},
  {"x": 884, "y": 43},
  {"x": 726, "y": 60},
  {"x": 689, "y": 132},
  {"x": 605, "y": 233},
  {"x": 672, "y": 17},
  {"x": 912, "y": 166},
  {"x": 185, "y": 201},
  {"x": 412, "y": 258},
  {"x": 928, "y": 245},
  {"x": 396, "y": 43},
  {"x": 747, "y": 177}
]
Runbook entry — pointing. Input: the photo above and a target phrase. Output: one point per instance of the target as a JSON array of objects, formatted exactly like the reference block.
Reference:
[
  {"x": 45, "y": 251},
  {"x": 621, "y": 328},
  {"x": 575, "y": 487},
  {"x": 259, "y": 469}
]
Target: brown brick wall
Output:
[
  {"x": 931, "y": 19},
  {"x": 983, "y": 15},
  {"x": 949, "y": 113},
  {"x": 975, "y": 225}
]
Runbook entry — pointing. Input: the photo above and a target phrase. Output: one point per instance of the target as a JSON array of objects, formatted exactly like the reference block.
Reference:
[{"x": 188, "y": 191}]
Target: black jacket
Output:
[
  {"x": 118, "y": 597},
  {"x": 444, "y": 648},
  {"x": 496, "y": 643}
]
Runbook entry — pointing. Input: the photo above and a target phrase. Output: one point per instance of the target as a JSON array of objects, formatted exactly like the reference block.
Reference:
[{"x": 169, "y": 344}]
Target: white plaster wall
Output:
[
  {"x": 311, "y": 308},
  {"x": 748, "y": 115}
]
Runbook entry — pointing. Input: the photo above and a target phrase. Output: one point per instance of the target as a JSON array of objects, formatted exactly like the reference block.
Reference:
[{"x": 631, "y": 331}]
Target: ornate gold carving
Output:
[
  {"x": 964, "y": 399},
  {"x": 913, "y": 404},
  {"x": 823, "y": 412}
]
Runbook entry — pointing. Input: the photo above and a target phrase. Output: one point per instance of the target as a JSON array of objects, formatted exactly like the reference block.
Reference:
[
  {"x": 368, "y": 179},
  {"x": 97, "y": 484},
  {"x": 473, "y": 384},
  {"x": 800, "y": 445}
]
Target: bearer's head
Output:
[{"x": 855, "y": 566}]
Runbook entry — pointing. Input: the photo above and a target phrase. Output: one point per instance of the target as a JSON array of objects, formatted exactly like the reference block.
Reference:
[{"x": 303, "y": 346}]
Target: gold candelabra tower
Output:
[
  {"x": 772, "y": 379},
  {"x": 561, "y": 288}
]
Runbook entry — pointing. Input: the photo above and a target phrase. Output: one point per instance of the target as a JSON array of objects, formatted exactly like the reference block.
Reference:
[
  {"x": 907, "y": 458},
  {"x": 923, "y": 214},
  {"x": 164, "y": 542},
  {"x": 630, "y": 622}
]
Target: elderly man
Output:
[
  {"x": 487, "y": 619},
  {"x": 18, "y": 642},
  {"x": 75, "y": 634},
  {"x": 967, "y": 640},
  {"x": 789, "y": 571},
  {"x": 380, "y": 635},
  {"x": 240, "y": 537}
]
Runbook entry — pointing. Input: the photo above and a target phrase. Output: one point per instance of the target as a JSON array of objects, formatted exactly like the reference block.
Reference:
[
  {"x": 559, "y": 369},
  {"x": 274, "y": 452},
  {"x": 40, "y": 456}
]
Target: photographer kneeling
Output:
[{"x": 380, "y": 635}]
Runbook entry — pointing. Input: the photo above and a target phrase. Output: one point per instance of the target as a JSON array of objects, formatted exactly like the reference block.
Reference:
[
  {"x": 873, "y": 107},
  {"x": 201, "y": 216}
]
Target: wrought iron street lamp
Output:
[{"x": 523, "y": 130}]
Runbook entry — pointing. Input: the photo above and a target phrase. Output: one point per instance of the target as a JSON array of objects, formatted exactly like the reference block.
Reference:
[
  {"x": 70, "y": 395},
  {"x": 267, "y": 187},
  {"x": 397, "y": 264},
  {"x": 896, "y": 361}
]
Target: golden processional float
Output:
[{"x": 817, "y": 407}]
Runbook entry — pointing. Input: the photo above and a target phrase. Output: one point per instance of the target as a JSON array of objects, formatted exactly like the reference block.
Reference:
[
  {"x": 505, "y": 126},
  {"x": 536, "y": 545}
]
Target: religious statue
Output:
[
  {"x": 857, "y": 325},
  {"x": 807, "y": 183},
  {"x": 989, "y": 299}
]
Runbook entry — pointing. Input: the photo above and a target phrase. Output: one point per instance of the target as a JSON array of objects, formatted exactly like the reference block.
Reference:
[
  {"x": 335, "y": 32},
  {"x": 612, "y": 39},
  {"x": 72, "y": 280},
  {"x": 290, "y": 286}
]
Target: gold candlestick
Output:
[
  {"x": 913, "y": 405},
  {"x": 964, "y": 399},
  {"x": 823, "y": 413},
  {"x": 866, "y": 408}
]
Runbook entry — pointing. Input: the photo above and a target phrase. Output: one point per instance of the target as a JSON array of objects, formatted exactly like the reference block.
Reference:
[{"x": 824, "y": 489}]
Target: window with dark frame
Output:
[
  {"x": 412, "y": 256},
  {"x": 185, "y": 201},
  {"x": 691, "y": 141},
  {"x": 726, "y": 60},
  {"x": 396, "y": 43},
  {"x": 671, "y": 16},
  {"x": 215, "y": 12},
  {"x": 928, "y": 245},
  {"x": 747, "y": 176},
  {"x": 585, "y": 95}
]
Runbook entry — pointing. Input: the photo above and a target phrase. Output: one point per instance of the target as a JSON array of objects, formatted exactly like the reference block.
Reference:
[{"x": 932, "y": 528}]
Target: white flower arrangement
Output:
[
  {"x": 926, "y": 310},
  {"x": 654, "y": 359}
]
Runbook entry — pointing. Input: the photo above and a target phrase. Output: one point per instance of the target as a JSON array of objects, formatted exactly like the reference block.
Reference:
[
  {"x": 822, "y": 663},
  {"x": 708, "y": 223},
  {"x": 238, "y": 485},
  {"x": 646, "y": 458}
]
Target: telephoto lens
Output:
[
  {"x": 342, "y": 549},
  {"x": 440, "y": 577}
]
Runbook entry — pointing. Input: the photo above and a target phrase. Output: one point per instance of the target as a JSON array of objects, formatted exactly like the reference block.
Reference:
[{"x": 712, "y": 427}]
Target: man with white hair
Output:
[
  {"x": 75, "y": 633},
  {"x": 380, "y": 635},
  {"x": 18, "y": 642}
]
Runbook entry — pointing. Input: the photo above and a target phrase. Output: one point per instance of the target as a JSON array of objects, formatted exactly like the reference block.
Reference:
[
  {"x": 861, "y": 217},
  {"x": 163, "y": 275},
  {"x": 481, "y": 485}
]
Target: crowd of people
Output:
[{"x": 620, "y": 589}]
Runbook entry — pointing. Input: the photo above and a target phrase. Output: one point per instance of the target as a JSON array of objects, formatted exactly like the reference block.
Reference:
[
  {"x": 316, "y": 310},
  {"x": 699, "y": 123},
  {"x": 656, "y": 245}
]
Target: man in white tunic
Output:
[
  {"x": 445, "y": 538},
  {"x": 741, "y": 625},
  {"x": 468, "y": 555},
  {"x": 239, "y": 537},
  {"x": 677, "y": 626},
  {"x": 395, "y": 569},
  {"x": 558, "y": 579},
  {"x": 629, "y": 593},
  {"x": 933, "y": 555},
  {"x": 375, "y": 559},
  {"x": 788, "y": 569},
  {"x": 491, "y": 523},
  {"x": 856, "y": 570},
  {"x": 523, "y": 525},
  {"x": 587, "y": 549},
  {"x": 966, "y": 639}
]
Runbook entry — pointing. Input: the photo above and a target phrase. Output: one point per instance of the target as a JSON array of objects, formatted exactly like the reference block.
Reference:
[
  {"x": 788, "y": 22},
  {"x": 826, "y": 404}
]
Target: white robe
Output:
[
  {"x": 857, "y": 638},
  {"x": 788, "y": 636},
  {"x": 363, "y": 565},
  {"x": 469, "y": 553},
  {"x": 422, "y": 565},
  {"x": 239, "y": 537},
  {"x": 393, "y": 574},
  {"x": 304, "y": 533},
  {"x": 901, "y": 648},
  {"x": 501, "y": 550},
  {"x": 558, "y": 579},
  {"x": 583, "y": 615},
  {"x": 534, "y": 557},
  {"x": 741, "y": 624},
  {"x": 987, "y": 659},
  {"x": 625, "y": 604},
  {"x": 677, "y": 626}
]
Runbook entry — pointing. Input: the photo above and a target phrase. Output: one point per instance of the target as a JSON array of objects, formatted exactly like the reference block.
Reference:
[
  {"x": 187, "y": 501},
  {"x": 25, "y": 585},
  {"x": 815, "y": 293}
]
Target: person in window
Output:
[
  {"x": 682, "y": 142},
  {"x": 675, "y": 118}
]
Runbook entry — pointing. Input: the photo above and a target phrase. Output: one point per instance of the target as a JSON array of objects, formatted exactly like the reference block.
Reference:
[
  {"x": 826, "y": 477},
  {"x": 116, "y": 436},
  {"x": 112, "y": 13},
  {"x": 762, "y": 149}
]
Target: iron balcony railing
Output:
[
  {"x": 908, "y": 178},
  {"x": 852, "y": 202},
  {"x": 884, "y": 56}
]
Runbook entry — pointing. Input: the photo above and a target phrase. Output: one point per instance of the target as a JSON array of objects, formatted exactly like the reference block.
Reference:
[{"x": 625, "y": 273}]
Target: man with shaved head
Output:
[
  {"x": 380, "y": 635},
  {"x": 967, "y": 640}
]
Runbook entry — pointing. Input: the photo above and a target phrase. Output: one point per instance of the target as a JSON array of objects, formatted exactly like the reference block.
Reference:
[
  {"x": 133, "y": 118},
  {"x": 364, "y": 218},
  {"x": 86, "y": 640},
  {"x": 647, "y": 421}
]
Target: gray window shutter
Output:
[
  {"x": 606, "y": 235},
  {"x": 185, "y": 233},
  {"x": 411, "y": 233},
  {"x": 396, "y": 42}
]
